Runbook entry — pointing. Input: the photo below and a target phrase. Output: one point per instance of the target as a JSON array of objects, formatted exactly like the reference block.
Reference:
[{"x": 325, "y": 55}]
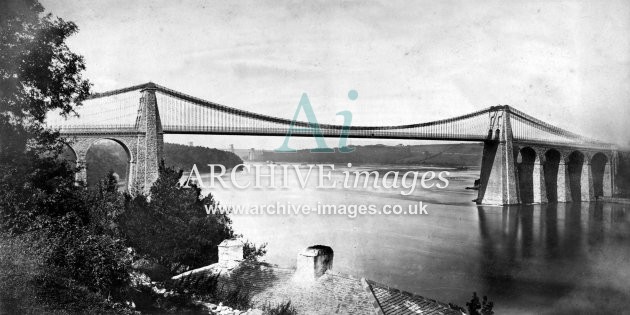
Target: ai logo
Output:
[{"x": 316, "y": 131}]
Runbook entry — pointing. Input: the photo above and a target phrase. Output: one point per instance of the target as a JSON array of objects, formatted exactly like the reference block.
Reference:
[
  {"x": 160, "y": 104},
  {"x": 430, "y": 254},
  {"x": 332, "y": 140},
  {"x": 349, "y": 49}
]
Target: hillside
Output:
[
  {"x": 183, "y": 157},
  {"x": 457, "y": 154}
]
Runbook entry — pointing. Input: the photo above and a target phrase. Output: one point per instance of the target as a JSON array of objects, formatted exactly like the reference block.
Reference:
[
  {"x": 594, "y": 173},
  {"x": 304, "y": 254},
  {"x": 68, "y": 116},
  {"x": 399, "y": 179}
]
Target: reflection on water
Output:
[
  {"x": 555, "y": 258},
  {"x": 569, "y": 257}
]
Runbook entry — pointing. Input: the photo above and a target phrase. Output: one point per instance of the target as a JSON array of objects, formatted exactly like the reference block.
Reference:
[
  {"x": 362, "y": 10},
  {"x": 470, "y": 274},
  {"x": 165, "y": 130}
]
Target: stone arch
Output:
[
  {"x": 551, "y": 166},
  {"x": 600, "y": 170},
  {"x": 575, "y": 162},
  {"x": 69, "y": 154},
  {"x": 525, "y": 164},
  {"x": 123, "y": 175}
]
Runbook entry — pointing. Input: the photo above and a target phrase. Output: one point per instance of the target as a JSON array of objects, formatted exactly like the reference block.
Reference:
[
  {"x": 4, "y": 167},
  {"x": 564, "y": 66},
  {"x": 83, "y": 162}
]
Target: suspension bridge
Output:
[{"x": 525, "y": 160}]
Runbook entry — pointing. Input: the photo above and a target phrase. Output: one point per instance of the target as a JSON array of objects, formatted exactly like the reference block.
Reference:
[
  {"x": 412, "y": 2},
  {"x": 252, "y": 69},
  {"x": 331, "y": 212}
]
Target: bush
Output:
[
  {"x": 252, "y": 252},
  {"x": 475, "y": 307},
  {"x": 105, "y": 205},
  {"x": 174, "y": 226},
  {"x": 97, "y": 261},
  {"x": 37, "y": 192}
]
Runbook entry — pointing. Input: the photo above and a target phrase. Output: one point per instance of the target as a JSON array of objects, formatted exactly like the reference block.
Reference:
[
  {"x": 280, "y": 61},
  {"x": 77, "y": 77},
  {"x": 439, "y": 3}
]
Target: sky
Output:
[{"x": 565, "y": 62}]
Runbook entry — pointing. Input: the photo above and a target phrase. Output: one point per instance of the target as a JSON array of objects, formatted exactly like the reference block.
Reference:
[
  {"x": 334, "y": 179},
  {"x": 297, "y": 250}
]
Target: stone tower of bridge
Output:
[
  {"x": 150, "y": 143},
  {"x": 498, "y": 182},
  {"x": 143, "y": 145},
  {"x": 516, "y": 170}
]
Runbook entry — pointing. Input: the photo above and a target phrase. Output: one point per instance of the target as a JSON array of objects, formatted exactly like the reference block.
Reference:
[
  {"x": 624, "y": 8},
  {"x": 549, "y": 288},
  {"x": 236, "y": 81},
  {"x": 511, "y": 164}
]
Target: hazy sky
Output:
[{"x": 565, "y": 62}]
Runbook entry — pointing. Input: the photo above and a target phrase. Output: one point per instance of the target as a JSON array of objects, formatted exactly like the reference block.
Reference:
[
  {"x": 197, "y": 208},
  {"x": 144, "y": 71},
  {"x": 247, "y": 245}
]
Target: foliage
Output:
[
  {"x": 279, "y": 309},
  {"x": 37, "y": 192},
  {"x": 174, "y": 227},
  {"x": 147, "y": 300},
  {"x": 82, "y": 233},
  {"x": 20, "y": 265},
  {"x": 29, "y": 286},
  {"x": 238, "y": 298},
  {"x": 105, "y": 205},
  {"x": 38, "y": 73},
  {"x": 479, "y": 308},
  {"x": 95, "y": 260},
  {"x": 252, "y": 252}
]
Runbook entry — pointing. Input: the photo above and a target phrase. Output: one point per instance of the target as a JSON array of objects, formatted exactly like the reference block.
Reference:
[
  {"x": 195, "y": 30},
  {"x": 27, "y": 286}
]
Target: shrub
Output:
[
  {"x": 97, "y": 261},
  {"x": 174, "y": 226},
  {"x": 475, "y": 307},
  {"x": 252, "y": 252}
]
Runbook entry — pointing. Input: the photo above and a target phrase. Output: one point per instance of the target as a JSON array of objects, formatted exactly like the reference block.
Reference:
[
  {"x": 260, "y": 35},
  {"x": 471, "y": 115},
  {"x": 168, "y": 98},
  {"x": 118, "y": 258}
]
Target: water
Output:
[{"x": 555, "y": 258}]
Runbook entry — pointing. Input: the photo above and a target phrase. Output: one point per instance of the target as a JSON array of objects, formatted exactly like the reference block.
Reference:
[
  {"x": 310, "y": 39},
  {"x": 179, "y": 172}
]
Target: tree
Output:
[
  {"x": 83, "y": 229},
  {"x": 38, "y": 73},
  {"x": 174, "y": 226}
]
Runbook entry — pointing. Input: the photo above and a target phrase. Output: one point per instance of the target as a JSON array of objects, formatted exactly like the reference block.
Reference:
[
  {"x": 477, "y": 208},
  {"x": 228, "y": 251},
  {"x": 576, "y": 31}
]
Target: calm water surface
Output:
[{"x": 555, "y": 258}]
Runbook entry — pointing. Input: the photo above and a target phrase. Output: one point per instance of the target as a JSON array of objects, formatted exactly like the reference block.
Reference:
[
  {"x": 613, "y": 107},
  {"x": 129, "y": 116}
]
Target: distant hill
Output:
[
  {"x": 103, "y": 157},
  {"x": 456, "y": 154},
  {"x": 183, "y": 157},
  {"x": 108, "y": 155}
]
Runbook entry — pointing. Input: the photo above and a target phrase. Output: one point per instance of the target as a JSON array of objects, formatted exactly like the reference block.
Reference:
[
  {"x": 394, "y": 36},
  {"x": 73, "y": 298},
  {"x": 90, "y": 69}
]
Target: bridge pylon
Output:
[
  {"x": 143, "y": 142},
  {"x": 150, "y": 144},
  {"x": 498, "y": 183}
]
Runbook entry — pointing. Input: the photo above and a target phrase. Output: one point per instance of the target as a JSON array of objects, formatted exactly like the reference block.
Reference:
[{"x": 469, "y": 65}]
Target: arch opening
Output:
[
  {"x": 107, "y": 155},
  {"x": 574, "y": 168},
  {"x": 550, "y": 170},
  {"x": 525, "y": 168},
  {"x": 600, "y": 174}
]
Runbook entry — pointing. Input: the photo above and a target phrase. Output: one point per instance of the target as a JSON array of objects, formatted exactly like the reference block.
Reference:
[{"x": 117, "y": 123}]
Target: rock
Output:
[{"x": 255, "y": 312}]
